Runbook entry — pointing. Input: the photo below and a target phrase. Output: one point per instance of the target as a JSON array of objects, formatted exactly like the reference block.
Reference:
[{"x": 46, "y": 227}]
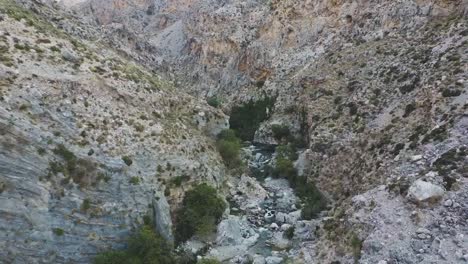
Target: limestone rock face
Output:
[
  {"x": 89, "y": 141},
  {"x": 374, "y": 93},
  {"x": 421, "y": 191}
]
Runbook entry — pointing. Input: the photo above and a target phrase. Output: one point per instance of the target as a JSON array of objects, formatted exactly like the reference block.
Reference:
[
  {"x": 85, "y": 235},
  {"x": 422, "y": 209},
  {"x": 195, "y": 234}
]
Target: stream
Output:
[{"x": 264, "y": 224}]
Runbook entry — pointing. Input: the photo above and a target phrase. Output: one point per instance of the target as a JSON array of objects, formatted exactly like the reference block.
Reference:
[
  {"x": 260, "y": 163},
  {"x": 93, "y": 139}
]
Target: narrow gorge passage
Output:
[{"x": 265, "y": 221}]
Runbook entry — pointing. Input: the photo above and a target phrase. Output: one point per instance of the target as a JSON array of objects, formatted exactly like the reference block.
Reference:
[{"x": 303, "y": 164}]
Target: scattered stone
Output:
[{"x": 448, "y": 203}]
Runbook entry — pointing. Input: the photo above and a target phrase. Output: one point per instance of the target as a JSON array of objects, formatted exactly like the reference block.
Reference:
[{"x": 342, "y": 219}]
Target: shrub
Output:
[
  {"x": 85, "y": 205},
  {"x": 127, "y": 160},
  {"x": 314, "y": 201},
  {"x": 409, "y": 109},
  {"x": 285, "y": 169},
  {"x": 246, "y": 119},
  {"x": 229, "y": 147},
  {"x": 58, "y": 231},
  {"x": 450, "y": 92},
  {"x": 280, "y": 131},
  {"x": 287, "y": 151},
  {"x": 178, "y": 180},
  {"x": 145, "y": 246},
  {"x": 208, "y": 261},
  {"x": 214, "y": 102},
  {"x": 201, "y": 210},
  {"x": 134, "y": 180},
  {"x": 356, "y": 246},
  {"x": 289, "y": 233}
]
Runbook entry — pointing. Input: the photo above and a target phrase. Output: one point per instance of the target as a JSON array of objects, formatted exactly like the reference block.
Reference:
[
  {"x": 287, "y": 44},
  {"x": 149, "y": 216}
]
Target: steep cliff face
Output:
[
  {"x": 90, "y": 143},
  {"x": 377, "y": 90}
]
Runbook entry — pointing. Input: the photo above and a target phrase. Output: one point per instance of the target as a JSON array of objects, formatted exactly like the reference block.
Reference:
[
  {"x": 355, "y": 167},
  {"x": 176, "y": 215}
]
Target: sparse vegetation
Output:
[
  {"x": 127, "y": 160},
  {"x": 214, "y": 102},
  {"x": 144, "y": 247},
  {"x": 58, "y": 231},
  {"x": 201, "y": 210},
  {"x": 134, "y": 180},
  {"x": 85, "y": 205}
]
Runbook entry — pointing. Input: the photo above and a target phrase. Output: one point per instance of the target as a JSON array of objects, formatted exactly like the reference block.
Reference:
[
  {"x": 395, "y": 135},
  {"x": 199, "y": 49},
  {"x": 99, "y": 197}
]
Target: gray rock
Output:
[
  {"x": 273, "y": 260},
  {"x": 70, "y": 56},
  {"x": 421, "y": 191}
]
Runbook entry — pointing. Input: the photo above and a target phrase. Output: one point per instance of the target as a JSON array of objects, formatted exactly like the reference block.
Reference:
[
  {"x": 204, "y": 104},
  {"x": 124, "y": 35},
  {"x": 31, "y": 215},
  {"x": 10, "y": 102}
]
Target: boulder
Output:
[
  {"x": 70, "y": 56},
  {"x": 235, "y": 231},
  {"x": 273, "y": 260},
  {"x": 421, "y": 191}
]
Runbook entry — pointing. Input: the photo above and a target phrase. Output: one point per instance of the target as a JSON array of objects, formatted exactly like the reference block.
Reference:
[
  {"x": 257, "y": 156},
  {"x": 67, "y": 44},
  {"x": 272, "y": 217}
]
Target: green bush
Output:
[
  {"x": 201, "y": 210},
  {"x": 229, "y": 147},
  {"x": 289, "y": 233},
  {"x": 127, "y": 160},
  {"x": 145, "y": 247},
  {"x": 285, "y": 169},
  {"x": 58, "y": 231},
  {"x": 134, "y": 180},
  {"x": 246, "y": 119},
  {"x": 86, "y": 205},
  {"x": 208, "y": 261},
  {"x": 214, "y": 102},
  {"x": 280, "y": 131},
  {"x": 287, "y": 151},
  {"x": 314, "y": 201}
]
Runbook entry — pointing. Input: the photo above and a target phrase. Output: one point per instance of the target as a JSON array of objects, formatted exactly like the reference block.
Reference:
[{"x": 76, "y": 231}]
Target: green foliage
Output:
[
  {"x": 208, "y": 261},
  {"x": 280, "y": 131},
  {"x": 55, "y": 49},
  {"x": 356, "y": 246},
  {"x": 86, "y": 205},
  {"x": 313, "y": 199},
  {"x": 229, "y": 147},
  {"x": 287, "y": 151},
  {"x": 246, "y": 119},
  {"x": 289, "y": 233},
  {"x": 145, "y": 247},
  {"x": 58, "y": 231},
  {"x": 214, "y": 102},
  {"x": 127, "y": 160},
  {"x": 178, "y": 180},
  {"x": 62, "y": 151},
  {"x": 285, "y": 169},
  {"x": 201, "y": 210},
  {"x": 134, "y": 180}
]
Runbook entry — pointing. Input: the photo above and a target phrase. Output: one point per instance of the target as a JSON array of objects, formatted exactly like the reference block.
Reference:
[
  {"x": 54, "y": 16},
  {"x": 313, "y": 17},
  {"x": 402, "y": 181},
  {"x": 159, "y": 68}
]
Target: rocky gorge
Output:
[{"x": 347, "y": 143}]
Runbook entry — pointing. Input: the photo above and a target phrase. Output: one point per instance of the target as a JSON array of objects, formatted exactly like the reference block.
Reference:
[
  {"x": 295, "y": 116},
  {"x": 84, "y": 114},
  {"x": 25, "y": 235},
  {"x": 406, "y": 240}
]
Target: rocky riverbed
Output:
[{"x": 264, "y": 221}]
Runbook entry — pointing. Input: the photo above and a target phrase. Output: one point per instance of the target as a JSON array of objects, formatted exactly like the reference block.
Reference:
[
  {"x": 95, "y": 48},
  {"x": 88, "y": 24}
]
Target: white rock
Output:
[
  {"x": 273, "y": 260},
  {"x": 448, "y": 203},
  {"x": 416, "y": 157},
  {"x": 285, "y": 227},
  {"x": 274, "y": 226},
  {"x": 421, "y": 191}
]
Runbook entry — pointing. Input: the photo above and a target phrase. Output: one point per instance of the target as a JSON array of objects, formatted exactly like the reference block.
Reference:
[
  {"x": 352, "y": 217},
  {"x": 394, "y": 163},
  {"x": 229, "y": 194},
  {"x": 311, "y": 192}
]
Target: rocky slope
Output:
[
  {"x": 90, "y": 143},
  {"x": 377, "y": 89}
]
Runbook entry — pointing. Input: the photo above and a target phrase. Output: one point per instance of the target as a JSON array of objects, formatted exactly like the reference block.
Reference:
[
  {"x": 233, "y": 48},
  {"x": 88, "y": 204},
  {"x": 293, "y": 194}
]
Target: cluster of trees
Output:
[{"x": 201, "y": 211}]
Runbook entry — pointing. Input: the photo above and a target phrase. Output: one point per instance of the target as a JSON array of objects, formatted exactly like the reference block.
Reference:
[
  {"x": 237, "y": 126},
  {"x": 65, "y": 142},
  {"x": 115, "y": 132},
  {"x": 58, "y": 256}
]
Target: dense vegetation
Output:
[
  {"x": 199, "y": 214},
  {"x": 245, "y": 119},
  {"x": 144, "y": 247},
  {"x": 229, "y": 147}
]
